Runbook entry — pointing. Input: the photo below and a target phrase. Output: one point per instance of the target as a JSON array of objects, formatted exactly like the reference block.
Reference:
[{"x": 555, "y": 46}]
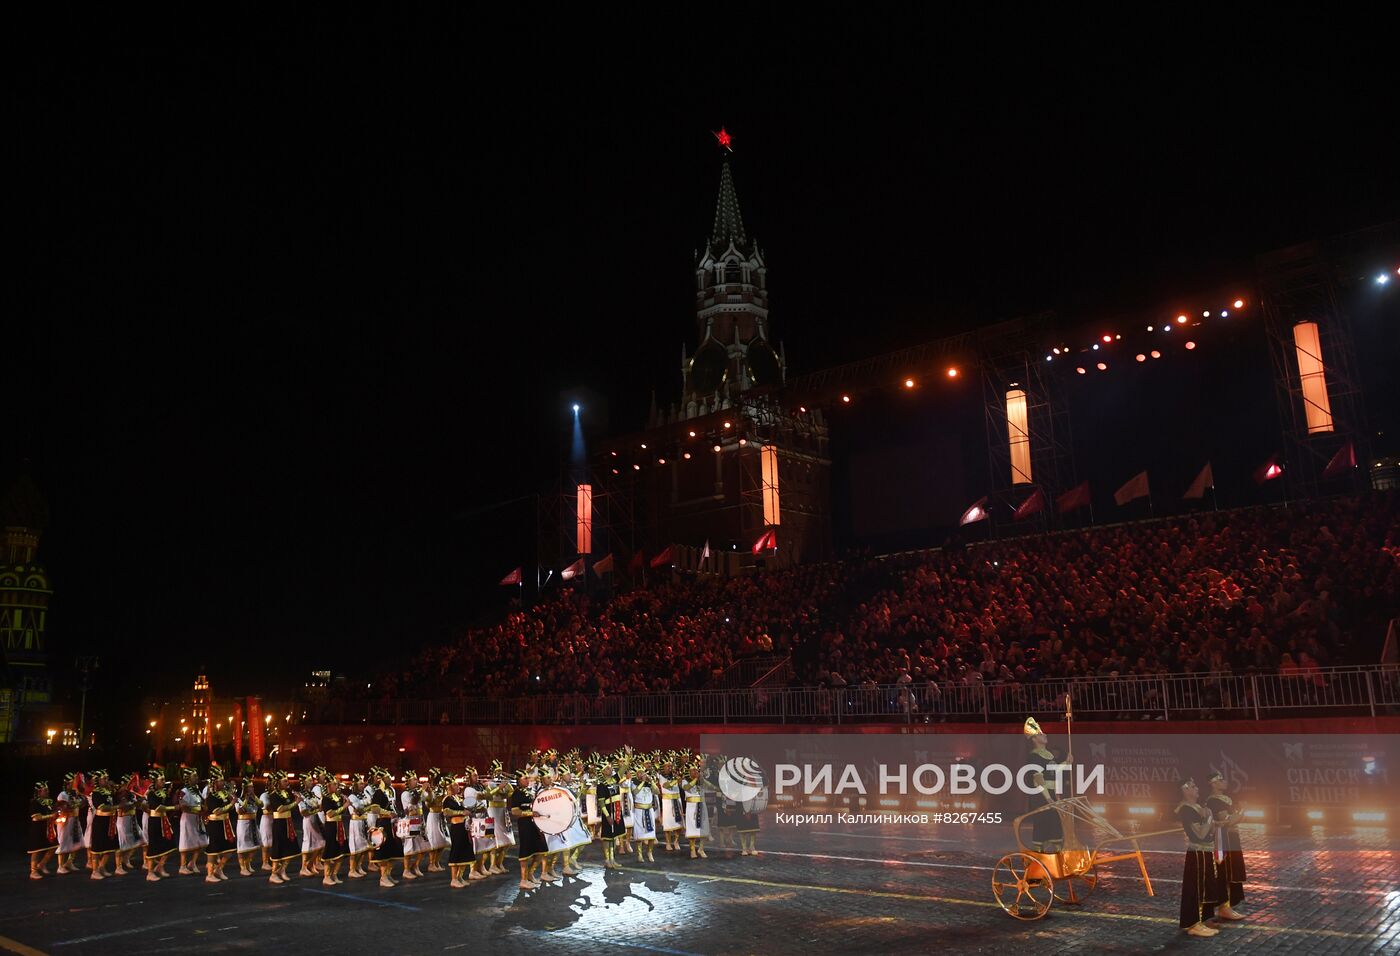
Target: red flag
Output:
[
  {"x": 705, "y": 555},
  {"x": 604, "y": 566},
  {"x": 1268, "y": 471},
  {"x": 514, "y": 577},
  {"x": 664, "y": 559},
  {"x": 978, "y": 512},
  {"x": 1032, "y": 505},
  {"x": 766, "y": 541},
  {"x": 1133, "y": 489},
  {"x": 1206, "y": 479},
  {"x": 573, "y": 570},
  {"x": 1344, "y": 459},
  {"x": 257, "y": 743},
  {"x": 1074, "y": 499}
]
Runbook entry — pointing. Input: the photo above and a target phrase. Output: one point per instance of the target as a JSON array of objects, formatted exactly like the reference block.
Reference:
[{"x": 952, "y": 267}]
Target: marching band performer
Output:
[
  {"x": 279, "y": 803},
  {"x": 697, "y": 815},
  {"x": 70, "y": 832},
  {"x": 531, "y": 850},
  {"x": 386, "y": 846},
  {"x": 643, "y": 818},
  {"x": 1202, "y": 883},
  {"x": 456, "y": 809},
  {"x": 624, "y": 787},
  {"x": 312, "y": 840},
  {"x": 193, "y": 839},
  {"x": 672, "y": 810},
  {"x": 43, "y": 829},
  {"x": 746, "y": 823},
  {"x": 502, "y": 823},
  {"x": 265, "y": 825},
  {"x": 334, "y": 836},
  {"x": 102, "y": 827},
  {"x": 415, "y": 844},
  {"x": 1229, "y": 853},
  {"x": 248, "y": 838},
  {"x": 614, "y": 820},
  {"x": 161, "y": 836},
  {"x": 591, "y": 817},
  {"x": 129, "y": 838},
  {"x": 357, "y": 846},
  {"x": 480, "y": 825},
  {"x": 435, "y": 829},
  {"x": 219, "y": 830}
]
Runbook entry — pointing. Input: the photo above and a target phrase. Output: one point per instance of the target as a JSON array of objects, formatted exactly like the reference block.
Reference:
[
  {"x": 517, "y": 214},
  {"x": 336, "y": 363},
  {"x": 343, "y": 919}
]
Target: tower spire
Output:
[{"x": 729, "y": 223}]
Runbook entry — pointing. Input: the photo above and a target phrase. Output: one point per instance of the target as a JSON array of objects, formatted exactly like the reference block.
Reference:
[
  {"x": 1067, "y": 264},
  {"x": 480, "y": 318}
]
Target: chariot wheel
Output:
[
  {"x": 1077, "y": 887},
  {"x": 1022, "y": 886}
]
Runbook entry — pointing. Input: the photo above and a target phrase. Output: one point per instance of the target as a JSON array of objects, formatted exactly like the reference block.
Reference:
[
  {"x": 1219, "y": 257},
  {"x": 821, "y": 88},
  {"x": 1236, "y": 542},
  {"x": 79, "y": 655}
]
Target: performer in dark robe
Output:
[
  {"x": 1202, "y": 883},
  {"x": 219, "y": 819},
  {"x": 1229, "y": 853},
  {"x": 280, "y": 804},
  {"x": 614, "y": 821},
  {"x": 43, "y": 830},
  {"x": 386, "y": 846},
  {"x": 334, "y": 831},
  {"x": 530, "y": 845},
  {"x": 1047, "y": 829},
  {"x": 461, "y": 853},
  {"x": 104, "y": 844},
  {"x": 162, "y": 825}
]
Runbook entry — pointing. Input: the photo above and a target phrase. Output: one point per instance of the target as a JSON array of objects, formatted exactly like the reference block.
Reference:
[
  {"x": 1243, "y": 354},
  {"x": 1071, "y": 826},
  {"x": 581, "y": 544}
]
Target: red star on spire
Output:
[{"x": 725, "y": 140}]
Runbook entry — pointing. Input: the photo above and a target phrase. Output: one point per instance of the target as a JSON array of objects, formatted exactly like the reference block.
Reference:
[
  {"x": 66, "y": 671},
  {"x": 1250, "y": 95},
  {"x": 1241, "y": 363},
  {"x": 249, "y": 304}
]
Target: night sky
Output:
[{"x": 294, "y": 297}]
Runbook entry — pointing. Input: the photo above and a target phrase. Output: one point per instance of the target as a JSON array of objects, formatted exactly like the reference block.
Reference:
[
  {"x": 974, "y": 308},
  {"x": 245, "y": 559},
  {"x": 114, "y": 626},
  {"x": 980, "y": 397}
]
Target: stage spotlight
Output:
[
  {"x": 1156, "y": 354},
  {"x": 1239, "y": 303},
  {"x": 1056, "y": 351},
  {"x": 1118, "y": 337},
  {"x": 636, "y": 467},
  {"x": 908, "y": 383},
  {"x": 743, "y": 441},
  {"x": 952, "y": 373},
  {"x": 1096, "y": 346},
  {"x": 716, "y": 448},
  {"x": 1049, "y": 358},
  {"x": 1205, "y": 314},
  {"x": 575, "y": 408},
  {"x": 1181, "y": 320},
  {"x": 1168, "y": 328},
  {"x": 1107, "y": 339},
  {"x": 1141, "y": 357},
  {"x": 846, "y": 399},
  {"x": 728, "y": 424},
  {"x": 661, "y": 461},
  {"x": 614, "y": 471},
  {"x": 692, "y": 434},
  {"x": 1150, "y": 328},
  {"x": 802, "y": 409},
  {"x": 1383, "y": 278},
  {"x": 614, "y": 454},
  {"x": 687, "y": 456},
  {"x": 1080, "y": 370},
  {"x": 1102, "y": 367},
  {"x": 644, "y": 446},
  {"x": 1224, "y": 313},
  {"x": 1190, "y": 346}
]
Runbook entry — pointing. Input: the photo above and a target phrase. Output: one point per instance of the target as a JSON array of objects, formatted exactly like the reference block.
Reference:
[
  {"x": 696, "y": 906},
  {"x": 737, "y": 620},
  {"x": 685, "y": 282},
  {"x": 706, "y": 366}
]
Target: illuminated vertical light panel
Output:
[
  {"x": 768, "y": 458},
  {"x": 1313, "y": 377},
  {"x": 1018, "y": 436},
  {"x": 585, "y": 519}
]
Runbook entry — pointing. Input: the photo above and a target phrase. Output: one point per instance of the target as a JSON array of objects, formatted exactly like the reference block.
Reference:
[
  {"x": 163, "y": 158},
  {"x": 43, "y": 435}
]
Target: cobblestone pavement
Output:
[{"x": 813, "y": 890}]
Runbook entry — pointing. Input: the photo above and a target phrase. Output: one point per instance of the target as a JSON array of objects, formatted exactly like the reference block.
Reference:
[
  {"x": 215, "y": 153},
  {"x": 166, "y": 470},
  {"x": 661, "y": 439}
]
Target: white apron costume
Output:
[
  {"x": 436, "y": 831},
  {"x": 192, "y": 835},
  {"x": 265, "y": 822},
  {"x": 311, "y": 838},
  {"x": 70, "y": 837},
  {"x": 643, "y": 817},
  {"x": 480, "y": 826},
  {"x": 358, "y": 831},
  {"x": 248, "y": 837},
  {"x": 411, "y": 806},
  {"x": 500, "y": 821},
  {"x": 591, "y": 816},
  {"x": 130, "y": 833},
  {"x": 671, "y": 817},
  {"x": 697, "y": 814}
]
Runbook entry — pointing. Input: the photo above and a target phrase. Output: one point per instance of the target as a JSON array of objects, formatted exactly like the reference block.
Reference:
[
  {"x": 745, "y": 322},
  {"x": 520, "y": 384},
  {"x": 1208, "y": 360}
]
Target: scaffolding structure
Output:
[
  {"x": 1297, "y": 285},
  {"x": 1013, "y": 360},
  {"x": 614, "y": 527}
]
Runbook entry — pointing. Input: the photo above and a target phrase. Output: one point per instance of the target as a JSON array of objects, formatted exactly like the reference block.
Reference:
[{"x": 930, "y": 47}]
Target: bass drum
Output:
[
  {"x": 554, "y": 810},
  {"x": 376, "y": 837}
]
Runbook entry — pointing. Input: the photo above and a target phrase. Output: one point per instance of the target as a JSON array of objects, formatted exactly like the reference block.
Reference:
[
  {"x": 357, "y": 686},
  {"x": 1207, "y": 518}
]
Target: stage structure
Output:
[
  {"x": 1029, "y": 444},
  {"x": 1317, "y": 383},
  {"x": 585, "y": 520}
]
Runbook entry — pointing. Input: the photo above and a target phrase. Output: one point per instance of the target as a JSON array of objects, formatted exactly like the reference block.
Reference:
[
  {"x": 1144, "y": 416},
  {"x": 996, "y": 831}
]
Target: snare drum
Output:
[{"x": 554, "y": 810}]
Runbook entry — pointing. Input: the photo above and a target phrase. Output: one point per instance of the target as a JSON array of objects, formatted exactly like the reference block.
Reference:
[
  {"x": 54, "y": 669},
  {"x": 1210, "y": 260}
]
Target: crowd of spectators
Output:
[{"x": 1265, "y": 590}]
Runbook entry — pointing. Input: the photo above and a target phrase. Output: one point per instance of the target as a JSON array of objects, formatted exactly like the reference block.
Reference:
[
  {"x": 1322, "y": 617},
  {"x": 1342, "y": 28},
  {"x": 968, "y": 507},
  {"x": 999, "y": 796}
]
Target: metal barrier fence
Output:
[{"x": 1362, "y": 690}]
